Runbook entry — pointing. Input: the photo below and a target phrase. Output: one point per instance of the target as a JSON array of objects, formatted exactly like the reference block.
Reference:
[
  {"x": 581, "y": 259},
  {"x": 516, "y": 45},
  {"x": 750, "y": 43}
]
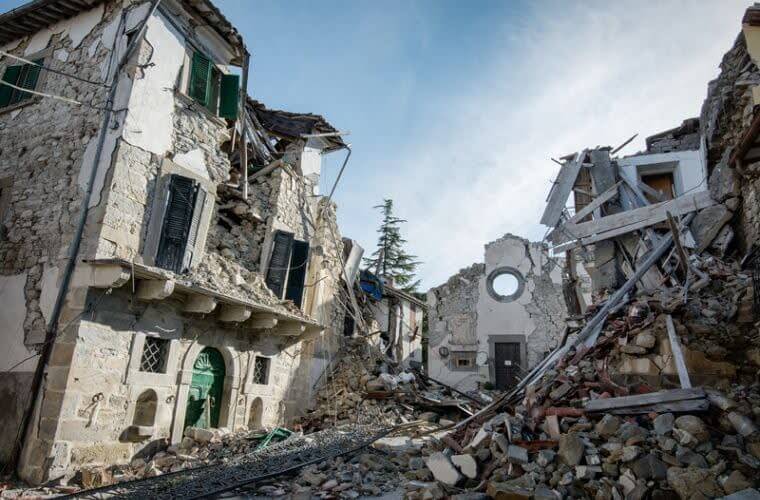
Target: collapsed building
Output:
[
  {"x": 166, "y": 259},
  {"x": 479, "y": 335}
]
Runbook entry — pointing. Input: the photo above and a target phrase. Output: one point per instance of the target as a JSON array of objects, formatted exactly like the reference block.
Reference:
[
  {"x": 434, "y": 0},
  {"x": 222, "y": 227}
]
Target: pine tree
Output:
[{"x": 390, "y": 260}]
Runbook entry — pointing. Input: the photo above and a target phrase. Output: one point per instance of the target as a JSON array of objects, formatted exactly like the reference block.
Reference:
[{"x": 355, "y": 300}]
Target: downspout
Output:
[{"x": 52, "y": 327}]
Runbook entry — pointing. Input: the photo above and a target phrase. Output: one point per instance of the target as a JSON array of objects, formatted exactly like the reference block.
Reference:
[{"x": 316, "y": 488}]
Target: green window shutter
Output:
[
  {"x": 230, "y": 95},
  {"x": 31, "y": 74},
  {"x": 277, "y": 274},
  {"x": 11, "y": 76},
  {"x": 299, "y": 261},
  {"x": 200, "y": 78},
  {"x": 178, "y": 218}
]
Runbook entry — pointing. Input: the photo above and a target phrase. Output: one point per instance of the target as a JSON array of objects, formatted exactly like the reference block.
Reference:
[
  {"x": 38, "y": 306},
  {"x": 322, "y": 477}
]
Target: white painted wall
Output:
[
  {"x": 12, "y": 314},
  {"x": 689, "y": 174}
]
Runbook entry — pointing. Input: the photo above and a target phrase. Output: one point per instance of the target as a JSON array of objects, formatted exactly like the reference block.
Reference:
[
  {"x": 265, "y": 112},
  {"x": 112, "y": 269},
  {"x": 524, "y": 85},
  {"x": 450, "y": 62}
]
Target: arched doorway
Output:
[
  {"x": 256, "y": 414},
  {"x": 204, "y": 400}
]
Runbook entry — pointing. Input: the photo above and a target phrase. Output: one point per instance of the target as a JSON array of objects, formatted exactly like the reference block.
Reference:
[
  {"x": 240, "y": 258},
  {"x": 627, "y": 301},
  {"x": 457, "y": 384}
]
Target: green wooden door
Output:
[{"x": 205, "y": 398}]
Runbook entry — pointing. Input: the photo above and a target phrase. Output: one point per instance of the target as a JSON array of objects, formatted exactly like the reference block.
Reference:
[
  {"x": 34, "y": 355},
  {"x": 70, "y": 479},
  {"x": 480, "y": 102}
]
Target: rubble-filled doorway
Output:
[
  {"x": 507, "y": 361},
  {"x": 204, "y": 400}
]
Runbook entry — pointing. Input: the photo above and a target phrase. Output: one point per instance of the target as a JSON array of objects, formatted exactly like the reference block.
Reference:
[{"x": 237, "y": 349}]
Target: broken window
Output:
[
  {"x": 261, "y": 370},
  {"x": 180, "y": 225},
  {"x": 154, "y": 355},
  {"x": 287, "y": 267},
  {"x": 217, "y": 92},
  {"x": 663, "y": 183},
  {"x": 24, "y": 76},
  {"x": 463, "y": 360}
]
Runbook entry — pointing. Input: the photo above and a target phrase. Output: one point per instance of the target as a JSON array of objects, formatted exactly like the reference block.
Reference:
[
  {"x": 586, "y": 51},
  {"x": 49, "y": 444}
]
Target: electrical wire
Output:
[
  {"x": 56, "y": 97},
  {"x": 52, "y": 70}
]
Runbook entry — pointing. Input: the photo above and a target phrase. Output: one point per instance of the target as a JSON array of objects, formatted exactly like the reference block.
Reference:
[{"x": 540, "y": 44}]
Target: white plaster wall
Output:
[
  {"x": 12, "y": 314},
  {"x": 689, "y": 175},
  {"x": 150, "y": 119}
]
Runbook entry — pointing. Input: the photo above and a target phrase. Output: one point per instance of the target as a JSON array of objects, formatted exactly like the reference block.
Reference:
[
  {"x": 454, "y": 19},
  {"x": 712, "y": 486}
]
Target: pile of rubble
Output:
[{"x": 365, "y": 388}]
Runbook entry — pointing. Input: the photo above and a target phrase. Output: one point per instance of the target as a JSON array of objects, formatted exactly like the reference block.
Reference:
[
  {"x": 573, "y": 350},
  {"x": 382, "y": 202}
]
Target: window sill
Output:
[
  {"x": 192, "y": 103},
  {"x": 26, "y": 102}
]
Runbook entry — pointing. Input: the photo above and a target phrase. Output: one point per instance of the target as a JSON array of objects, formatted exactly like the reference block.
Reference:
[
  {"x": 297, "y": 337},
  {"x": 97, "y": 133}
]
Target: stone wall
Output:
[
  {"x": 43, "y": 146},
  {"x": 464, "y": 316}
]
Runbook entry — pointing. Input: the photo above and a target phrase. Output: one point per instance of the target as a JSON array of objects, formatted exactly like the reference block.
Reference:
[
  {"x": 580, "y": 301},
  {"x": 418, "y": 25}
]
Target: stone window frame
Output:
[
  {"x": 137, "y": 377},
  {"x": 267, "y": 375},
  {"x": 158, "y": 209},
  {"x": 500, "y": 271},
  {"x": 454, "y": 356},
  {"x": 258, "y": 389},
  {"x": 45, "y": 55}
]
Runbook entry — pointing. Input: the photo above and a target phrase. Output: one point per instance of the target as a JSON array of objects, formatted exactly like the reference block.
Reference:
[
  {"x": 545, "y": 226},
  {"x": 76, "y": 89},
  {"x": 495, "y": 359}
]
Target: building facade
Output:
[
  {"x": 207, "y": 265},
  {"x": 478, "y": 334}
]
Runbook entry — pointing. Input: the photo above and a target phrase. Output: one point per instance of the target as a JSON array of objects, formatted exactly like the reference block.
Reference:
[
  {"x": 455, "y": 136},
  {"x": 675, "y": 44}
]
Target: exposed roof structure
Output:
[
  {"x": 38, "y": 14},
  {"x": 294, "y": 125}
]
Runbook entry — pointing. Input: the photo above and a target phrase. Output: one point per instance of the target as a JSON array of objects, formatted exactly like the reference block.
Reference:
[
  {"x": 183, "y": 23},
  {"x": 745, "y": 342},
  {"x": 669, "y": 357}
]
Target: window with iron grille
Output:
[
  {"x": 261, "y": 370},
  {"x": 154, "y": 355}
]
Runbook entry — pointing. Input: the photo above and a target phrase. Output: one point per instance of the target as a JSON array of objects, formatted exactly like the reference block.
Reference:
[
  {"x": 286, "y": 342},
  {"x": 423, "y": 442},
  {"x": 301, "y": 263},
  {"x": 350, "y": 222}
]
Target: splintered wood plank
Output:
[
  {"x": 652, "y": 398},
  {"x": 675, "y": 346},
  {"x": 561, "y": 189},
  {"x": 596, "y": 203},
  {"x": 685, "y": 406},
  {"x": 608, "y": 227}
]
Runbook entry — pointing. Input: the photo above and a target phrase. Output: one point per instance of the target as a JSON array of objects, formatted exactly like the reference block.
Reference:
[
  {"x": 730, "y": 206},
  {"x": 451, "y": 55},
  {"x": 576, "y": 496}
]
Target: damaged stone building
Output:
[
  {"x": 166, "y": 259},
  {"x": 480, "y": 334}
]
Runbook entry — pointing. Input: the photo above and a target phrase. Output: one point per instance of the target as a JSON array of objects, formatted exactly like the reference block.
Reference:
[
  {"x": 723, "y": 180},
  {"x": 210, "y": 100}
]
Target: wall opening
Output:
[
  {"x": 256, "y": 414},
  {"x": 145, "y": 408},
  {"x": 505, "y": 284}
]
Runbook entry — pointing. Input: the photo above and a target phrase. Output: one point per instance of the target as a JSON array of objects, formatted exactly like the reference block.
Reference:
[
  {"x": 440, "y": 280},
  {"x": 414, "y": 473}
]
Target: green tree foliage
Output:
[{"x": 390, "y": 260}]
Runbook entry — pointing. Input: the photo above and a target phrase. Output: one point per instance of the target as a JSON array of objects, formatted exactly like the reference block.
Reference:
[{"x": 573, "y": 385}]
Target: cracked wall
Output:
[{"x": 466, "y": 317}]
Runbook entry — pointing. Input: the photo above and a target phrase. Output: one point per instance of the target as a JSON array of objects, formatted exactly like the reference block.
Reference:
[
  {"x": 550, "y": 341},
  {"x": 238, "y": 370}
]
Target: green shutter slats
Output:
[
  {"x": 192, "y": 238},
  {"x": 299, "y": 262},
  {"x": 277, "y": 274},
  {"x": 200, "y": 78},
  {"x": 177, "y": 222},
  {"x": 229, "y": 96},
  {"x": 11, "y": 76}
]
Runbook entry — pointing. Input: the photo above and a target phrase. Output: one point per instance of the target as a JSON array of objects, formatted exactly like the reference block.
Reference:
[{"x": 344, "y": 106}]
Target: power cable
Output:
[{"x": 52, "y": 70}]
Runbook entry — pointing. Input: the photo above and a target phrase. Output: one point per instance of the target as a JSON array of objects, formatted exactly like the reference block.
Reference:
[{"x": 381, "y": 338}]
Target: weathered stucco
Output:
[{"x": 463, "y": 316}]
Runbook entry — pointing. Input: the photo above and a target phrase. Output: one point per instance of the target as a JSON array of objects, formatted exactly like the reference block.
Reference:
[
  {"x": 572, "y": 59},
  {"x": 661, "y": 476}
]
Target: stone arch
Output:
[
  {"x": 229, "y": 394},
  {"x": 256, "y": 415},
  {"x": 145, "y": 408}
]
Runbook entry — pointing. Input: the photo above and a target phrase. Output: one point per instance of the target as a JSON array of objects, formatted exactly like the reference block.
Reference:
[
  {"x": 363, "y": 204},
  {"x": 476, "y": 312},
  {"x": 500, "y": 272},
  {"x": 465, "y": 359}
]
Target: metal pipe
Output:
[
  {"x": 52, "y": 326},
  {"x": 340, "y": 173}
]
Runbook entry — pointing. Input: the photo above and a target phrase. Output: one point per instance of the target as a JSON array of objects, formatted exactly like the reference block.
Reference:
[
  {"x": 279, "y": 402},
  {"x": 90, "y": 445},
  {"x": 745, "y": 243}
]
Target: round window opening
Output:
[{"x": 505, "y": 284}]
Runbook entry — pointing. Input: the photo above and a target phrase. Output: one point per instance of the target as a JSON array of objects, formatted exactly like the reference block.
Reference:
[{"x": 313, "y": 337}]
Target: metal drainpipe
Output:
[{"x": 52, "y": 327}]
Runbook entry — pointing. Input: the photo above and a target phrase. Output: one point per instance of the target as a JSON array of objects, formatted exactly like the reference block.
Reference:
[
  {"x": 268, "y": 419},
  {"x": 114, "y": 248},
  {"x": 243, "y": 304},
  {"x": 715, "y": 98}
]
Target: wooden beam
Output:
[
  {"x": 610, "y": 226},
  {"x": 264, "y": 322},
  {"x": 682, "y": 258},
  {"x": 600, "y": 405},
  {"x": 561, "y": 189},
  {"x": 154, "y": 289},
  {"x": 598, "y": 202},
  {"x": 675, "y": 346},
  {"x": 232, "y": 313},
  {"x": 657, "y": 195},
  {"x": 199, "y": 303}
]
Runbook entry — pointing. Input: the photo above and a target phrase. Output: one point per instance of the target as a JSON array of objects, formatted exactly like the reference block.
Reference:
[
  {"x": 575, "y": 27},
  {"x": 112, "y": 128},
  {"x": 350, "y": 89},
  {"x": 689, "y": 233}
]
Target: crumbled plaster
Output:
[
  {"x": 13, "y": 44},
  {"x": 77, "y": 28},
  {"x": 12, "y": 316},
  {"x": 193, "y": 160}
]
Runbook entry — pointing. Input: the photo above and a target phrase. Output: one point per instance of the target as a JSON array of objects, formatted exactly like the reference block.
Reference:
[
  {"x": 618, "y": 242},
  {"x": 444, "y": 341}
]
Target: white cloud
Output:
[{"x": 582, "y": 75}]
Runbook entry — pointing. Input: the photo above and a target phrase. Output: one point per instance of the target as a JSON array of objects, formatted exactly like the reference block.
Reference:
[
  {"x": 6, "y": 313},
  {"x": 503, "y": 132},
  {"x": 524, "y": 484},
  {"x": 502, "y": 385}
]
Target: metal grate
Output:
[
  {"x": 154, "y": 355},
  {"x": 261, "y": 370}
]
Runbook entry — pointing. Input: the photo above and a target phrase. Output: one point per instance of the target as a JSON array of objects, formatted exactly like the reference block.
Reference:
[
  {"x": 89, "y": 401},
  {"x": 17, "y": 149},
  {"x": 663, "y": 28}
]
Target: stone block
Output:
[{"x": 443, "y": 469}]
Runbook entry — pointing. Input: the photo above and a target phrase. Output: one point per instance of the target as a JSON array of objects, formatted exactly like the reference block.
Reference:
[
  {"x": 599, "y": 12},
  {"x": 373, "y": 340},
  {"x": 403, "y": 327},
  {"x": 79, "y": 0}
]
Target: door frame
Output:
[
  {"x": 229, "y": 392},
  {"x": 497, "y": 339}
]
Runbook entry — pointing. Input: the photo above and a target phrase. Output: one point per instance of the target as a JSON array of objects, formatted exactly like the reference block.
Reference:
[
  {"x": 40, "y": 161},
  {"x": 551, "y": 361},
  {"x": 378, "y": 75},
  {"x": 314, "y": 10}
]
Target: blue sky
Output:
[{"x": 455, "y": 107}]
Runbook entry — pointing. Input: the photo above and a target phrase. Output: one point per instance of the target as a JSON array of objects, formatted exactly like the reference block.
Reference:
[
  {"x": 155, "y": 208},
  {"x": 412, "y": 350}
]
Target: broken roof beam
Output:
[
  {"x": 596, "y": 203},
  {"x": 611, "y": 226},
  {"x": 561, "y": 189}
]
